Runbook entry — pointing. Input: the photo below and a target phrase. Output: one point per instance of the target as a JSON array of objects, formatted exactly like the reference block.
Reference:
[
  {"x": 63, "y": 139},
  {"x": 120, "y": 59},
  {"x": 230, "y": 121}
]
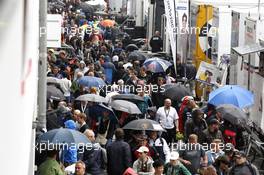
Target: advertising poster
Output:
[
  {"x": 182, "y": 11},
  {"x": 208, "y": 73}
]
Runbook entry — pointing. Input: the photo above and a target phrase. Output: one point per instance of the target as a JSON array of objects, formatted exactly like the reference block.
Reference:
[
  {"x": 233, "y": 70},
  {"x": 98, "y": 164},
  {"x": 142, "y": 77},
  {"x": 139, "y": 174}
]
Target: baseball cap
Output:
[
  {"x": 143, "y": 149},
  {"x": 188, "y": 98},
  {"x": 214, "y": 121},
  {"x": 115, "y": 58},
  {"x": 174, "y": 155}
]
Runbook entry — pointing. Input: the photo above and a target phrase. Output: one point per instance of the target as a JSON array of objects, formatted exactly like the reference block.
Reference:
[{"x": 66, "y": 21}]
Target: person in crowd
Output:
[
  {"x": 216, "y": 150},
  {"x": 157, "y": 96},
  {"x": 82, "y": 68},
  {"x": 196, "y": 124},
  {"x": 118, "y": 154},
  {"x": 175, "y": 166},
  {"x": 79, "y": 168},
  {"x": 212, "y": 132},
  {"x": 221, "y": 165},
  {"x": 160, "y": 147},
  {"x": 156, "y": 42},
  {"x": 96, "y": 159},
  {"x": 194, "y": 155},
  {"x": 51, "y": 166},
  {"x": 69, "y": 154},
  {"x": 167, "y": 116},
  {"x": 158, "y": 167},
  {"x": 55, "y": 72},
  {"x": 144, "y": 163},
  {"x": 142, "y": 140},
  {"x": 81, "y": 118},
  {"x": 185, "y": 112},
  {"x": 242, "y": 166},
  {"x": 143, "y": 75},
  {"x": 76, "y": 112},
  {"x": 106, "y": 129}
]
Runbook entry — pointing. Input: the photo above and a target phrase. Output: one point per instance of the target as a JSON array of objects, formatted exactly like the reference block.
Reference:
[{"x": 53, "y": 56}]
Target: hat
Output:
[
  {"x": 174, "y": 155},
  {"x": 82, "y": 62},
  {"x": 115, "y": 58},
  {"x": 143, "y": 149},
  {"x": 51, "y": 50},
  {"x": 70, "y": 124},
  {"x": 187, "y": 98},
  {"x": 240, "y": 154},
  {"x": 214, "y": 121}
]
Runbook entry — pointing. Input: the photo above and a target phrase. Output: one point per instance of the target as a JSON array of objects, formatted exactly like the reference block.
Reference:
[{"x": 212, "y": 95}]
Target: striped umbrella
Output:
[{"x": 156, "y": 65}]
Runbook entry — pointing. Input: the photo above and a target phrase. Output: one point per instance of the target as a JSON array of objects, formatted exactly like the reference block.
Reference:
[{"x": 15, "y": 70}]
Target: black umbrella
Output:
[
  {"x": 176, "y": 92},
  {"x": 129, "y": 97},
  {"x": 64, "y": 136},
  {"x": 97, "y": 111},
  {"x": 86, "y": 8},
  {"x": 54, "y": 93},
  {"x": 144, "y": 125},
  {"x": 232, "y": 114},
  {"x": 136, "y": 55},
  {"x": 131, "y": 47}
]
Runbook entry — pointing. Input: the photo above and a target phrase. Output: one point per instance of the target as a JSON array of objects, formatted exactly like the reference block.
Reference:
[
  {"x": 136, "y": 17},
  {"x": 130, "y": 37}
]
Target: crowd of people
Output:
[{"x": 195, "y": 140}]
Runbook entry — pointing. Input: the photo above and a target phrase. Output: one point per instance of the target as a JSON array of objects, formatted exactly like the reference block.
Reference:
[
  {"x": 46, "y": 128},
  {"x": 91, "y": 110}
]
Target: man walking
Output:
[
  {"x": 118, "y": 154},
  {"x": 167, "y": 116},
  {"x": 156, "y": 42}
]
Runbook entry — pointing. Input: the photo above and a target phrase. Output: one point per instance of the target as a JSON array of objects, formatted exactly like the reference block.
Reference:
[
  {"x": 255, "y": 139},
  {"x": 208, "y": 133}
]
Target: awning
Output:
[{"x": 247, "y": 49}]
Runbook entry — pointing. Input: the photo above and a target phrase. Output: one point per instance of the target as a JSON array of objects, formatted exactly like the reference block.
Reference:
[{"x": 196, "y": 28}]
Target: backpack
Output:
[
  {"x": 158, "y": 153},
  {"x": 230, "y": 137},
  {"x": 251, "y": 169}
]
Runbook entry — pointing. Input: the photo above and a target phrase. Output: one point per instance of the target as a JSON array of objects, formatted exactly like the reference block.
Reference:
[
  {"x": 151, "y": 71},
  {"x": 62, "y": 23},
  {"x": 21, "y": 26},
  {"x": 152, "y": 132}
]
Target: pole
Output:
[
  {"x": 249, "y": 60},
  {"x": 176, "y": 37},
  {"x": 42, "y": 67}
]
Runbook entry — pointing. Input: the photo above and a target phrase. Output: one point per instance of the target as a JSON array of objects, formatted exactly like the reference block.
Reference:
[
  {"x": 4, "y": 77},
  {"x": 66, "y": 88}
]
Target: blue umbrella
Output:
[
  {"x": 90, "y": 81},
  {"x": 156, "y": 65},
  {"x": 63, "y": 136},
  {"x": 231, "y": 94}
]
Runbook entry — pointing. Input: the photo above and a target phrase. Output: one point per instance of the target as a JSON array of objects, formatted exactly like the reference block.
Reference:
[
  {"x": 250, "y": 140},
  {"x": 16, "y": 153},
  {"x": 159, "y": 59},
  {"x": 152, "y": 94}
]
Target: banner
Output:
[
  {"x": 208, "y": 73},
  {"x": 171, "y": 24},
  {"x": 182, "y": 10}
]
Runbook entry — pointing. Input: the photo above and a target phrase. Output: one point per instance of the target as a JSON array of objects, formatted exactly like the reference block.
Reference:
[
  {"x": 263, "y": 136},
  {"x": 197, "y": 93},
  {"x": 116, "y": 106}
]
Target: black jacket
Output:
[{"x": 118, "y": 157}]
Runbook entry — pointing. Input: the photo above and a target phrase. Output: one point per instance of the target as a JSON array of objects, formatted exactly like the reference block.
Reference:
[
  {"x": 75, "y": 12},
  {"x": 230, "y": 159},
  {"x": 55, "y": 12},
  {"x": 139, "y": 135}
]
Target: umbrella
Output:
[
  {"x": 136, "y": 55},
  {"x": 144, "y": 124},
  {"x": 64, "y": 136},
  {"x": 131, "y": 47},
  {"x": 107, "y": 23},
  {"x": 232, "y": 114},
  {"x": 156, "y": 65},
  {"x": 53, "y": 80},
  {"x": 231, "y": 94},
  {"x": 54, "y": 93},
  {"x": 86, "y": 8},
  {"x": 129, "y": 97},
  {"x": 97, "y": 111},
  {"x": 125, "y": 106},
  {"x": 110, "y": 95},
  {"x": 90, "y": 81},
  {"x": 92, "y": 98},
  {"x": 176, "y": 91}
]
